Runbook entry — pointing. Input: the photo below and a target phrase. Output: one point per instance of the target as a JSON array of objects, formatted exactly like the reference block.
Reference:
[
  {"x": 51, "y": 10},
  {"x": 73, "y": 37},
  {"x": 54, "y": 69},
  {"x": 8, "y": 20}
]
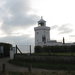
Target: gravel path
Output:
[{"x": 11, "y": 67}]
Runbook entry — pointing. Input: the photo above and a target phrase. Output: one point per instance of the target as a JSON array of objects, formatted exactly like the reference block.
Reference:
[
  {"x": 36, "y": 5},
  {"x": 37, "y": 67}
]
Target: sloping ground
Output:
[{"x": 11, "y": 67}]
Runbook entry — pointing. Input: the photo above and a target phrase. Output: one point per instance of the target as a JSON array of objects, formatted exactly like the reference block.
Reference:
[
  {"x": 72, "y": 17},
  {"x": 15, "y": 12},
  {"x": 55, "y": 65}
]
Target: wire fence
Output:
[{"x": 25, "y": 48}]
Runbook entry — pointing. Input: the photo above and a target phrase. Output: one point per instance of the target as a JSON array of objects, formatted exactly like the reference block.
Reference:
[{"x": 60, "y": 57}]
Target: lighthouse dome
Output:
[{"x": 41, "y": 22}]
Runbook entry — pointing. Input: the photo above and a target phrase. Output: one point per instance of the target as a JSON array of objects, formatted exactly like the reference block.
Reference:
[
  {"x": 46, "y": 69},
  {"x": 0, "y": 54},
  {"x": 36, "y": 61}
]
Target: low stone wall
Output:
[{"x": 50, "y": 59}]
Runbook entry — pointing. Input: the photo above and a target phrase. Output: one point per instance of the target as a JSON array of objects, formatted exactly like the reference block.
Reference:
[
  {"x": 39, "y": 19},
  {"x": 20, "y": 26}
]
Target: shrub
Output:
[
  {"x": 45, "y": 49},
  {"x": 38, "y": 49}
]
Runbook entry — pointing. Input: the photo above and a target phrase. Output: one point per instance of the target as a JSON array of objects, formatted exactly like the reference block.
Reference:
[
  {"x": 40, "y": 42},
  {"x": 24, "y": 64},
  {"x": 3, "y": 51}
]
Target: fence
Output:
[{"x": 24, "y": 49}]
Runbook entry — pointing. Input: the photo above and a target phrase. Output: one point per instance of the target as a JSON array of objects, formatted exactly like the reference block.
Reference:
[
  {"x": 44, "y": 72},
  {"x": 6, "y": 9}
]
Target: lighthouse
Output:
[{"x": 42, "y": 33}]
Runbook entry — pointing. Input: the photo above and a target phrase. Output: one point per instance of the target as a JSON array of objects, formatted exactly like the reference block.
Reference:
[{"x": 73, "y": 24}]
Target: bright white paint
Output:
[
  {"x": 40, "y": 31},
  {"x": 12, "y": 52}
]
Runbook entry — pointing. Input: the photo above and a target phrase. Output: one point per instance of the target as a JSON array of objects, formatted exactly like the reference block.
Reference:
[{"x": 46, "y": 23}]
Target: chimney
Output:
[{"x": 63, "y": 40}]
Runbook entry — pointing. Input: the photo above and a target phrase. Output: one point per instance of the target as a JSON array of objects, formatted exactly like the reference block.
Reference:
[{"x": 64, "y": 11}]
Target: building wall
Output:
[
  {"x": 39, "y": 32},
  {"x": 50, "y": 44}
]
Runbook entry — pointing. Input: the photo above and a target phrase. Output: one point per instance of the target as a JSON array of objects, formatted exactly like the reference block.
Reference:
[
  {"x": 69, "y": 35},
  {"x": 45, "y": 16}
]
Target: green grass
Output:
[
  {"x": 68, "y": 72},
  {"x": 62, "y": 53},
  {"x": 49, "y": 66}
]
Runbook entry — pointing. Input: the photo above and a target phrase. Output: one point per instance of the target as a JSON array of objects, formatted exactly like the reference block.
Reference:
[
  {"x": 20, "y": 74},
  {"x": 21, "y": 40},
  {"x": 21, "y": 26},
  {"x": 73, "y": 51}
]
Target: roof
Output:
[{"x": 41, "y": 20}]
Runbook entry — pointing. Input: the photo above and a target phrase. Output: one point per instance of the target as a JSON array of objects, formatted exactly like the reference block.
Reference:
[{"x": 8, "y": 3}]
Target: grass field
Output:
[
  {"x": 66, "y": 69},
  {"x": 40, "y": 73},
  {"x": 49, "y": 66},
  {"x": 62, "y": 53}
]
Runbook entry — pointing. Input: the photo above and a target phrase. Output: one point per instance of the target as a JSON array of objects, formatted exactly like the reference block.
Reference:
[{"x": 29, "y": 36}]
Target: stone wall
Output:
[{"x": 50, "y": 59}]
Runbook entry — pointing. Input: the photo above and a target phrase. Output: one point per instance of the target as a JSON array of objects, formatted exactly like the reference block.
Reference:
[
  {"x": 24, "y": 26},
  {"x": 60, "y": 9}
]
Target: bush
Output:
[
  {"x": 45, "y": 49},
  {"x": 38, "y": 49}
]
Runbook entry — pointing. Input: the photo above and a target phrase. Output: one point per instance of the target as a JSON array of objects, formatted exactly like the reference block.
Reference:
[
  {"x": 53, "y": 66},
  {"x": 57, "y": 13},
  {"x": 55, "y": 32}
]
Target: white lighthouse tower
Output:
[{"x": 42, "y": 33}]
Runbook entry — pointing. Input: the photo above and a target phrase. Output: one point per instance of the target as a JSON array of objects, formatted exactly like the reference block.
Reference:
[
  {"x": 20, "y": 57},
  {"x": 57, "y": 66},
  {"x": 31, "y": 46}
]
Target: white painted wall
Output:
[
  {"x": 39, "y": 32},
  {"x": 12, "y": 52},
  {"x": 50, "y": 44}
]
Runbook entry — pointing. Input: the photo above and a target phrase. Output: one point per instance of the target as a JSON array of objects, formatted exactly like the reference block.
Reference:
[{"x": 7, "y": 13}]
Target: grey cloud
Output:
[
  {"x": 17, "y": 6},
  {"x": 18, "y": 9},
  {"x": 65, "y": 28},
  {"x": 18, "y": 40},
  {"x": 72, "y": 36},
  {"x": 20, "y": 20},
  {"x": 23, "y": 42},
  {"x": 54, "y": 27}
]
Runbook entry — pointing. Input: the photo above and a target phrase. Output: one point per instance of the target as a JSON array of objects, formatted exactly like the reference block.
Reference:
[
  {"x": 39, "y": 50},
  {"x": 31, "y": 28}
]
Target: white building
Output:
[{"x": 42, "y": 35}]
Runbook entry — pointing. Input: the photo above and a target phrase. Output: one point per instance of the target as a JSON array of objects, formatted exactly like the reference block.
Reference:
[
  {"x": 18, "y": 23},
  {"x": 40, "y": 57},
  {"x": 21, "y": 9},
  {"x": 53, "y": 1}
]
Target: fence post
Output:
[
  {"x": 30, "y": 49},
  {"x": 30, "y": 68},
  {"x": 3, "y": 68},
  {"x": 16, "y": 49}
]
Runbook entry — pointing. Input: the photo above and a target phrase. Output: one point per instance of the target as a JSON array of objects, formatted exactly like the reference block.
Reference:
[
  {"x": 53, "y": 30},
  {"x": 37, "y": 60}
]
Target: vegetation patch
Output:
[
  {"x": 50, "y": 66},
  {"x": 40, "y": 73},
  {"x": 55, "y": 53},
  {"x": 39, "y": 49}
]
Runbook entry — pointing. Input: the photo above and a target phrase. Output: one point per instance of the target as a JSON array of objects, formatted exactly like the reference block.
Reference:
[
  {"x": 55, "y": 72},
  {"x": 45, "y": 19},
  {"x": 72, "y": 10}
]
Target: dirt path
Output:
[{"x": 11, "y": 67}]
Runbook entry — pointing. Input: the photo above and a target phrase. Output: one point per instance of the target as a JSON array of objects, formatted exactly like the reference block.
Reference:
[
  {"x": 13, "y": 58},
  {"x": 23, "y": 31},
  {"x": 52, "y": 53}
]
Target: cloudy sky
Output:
[{"x": 19, "y": 17}]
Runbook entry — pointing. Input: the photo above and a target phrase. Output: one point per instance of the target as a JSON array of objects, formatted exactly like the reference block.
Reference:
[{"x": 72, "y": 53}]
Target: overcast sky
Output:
[{"x": 19, "y": 17}]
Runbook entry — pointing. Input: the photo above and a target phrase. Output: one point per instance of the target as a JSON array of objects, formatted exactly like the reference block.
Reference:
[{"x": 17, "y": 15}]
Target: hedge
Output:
[{"x": 39, "y": 49}]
